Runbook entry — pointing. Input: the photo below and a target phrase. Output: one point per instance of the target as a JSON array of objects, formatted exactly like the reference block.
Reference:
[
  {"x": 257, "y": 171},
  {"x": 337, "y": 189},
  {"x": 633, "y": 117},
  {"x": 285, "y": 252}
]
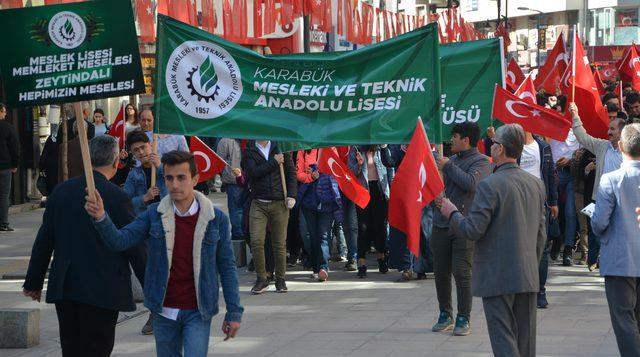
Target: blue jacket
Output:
[
  {"x": 322, "y": 195},
  {"x": 136, "y": 187},
  {"x": 213, "y": 256},
  {"x": 362, "y": 173},
  {"x": 614, "y": 221}
]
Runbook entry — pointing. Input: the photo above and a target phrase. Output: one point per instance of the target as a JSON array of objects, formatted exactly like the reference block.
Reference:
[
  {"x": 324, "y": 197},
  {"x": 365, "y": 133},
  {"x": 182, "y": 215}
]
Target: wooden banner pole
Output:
[{"x": 84, "y": 148}]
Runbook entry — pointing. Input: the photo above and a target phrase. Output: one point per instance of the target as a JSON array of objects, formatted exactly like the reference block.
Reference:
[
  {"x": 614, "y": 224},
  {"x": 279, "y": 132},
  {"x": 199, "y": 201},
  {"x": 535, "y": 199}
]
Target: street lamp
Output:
[{"x": 524, "y": 8}]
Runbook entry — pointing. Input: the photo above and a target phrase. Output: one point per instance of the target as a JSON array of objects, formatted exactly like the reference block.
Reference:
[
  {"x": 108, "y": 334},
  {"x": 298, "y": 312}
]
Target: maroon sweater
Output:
[{"x": 181, "y": 290}]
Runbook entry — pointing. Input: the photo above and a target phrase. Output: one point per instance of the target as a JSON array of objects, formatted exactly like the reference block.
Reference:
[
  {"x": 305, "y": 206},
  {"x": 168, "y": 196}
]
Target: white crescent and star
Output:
[
  {"x": 422, "y": 175},
  {"x": 527, "y": 94},
  {"x": 562, "y": 56},
  {"x": 634, "y": 61},
  {"x": 511, "y": 76},
  {"x": 509, "y": 104},
  {"x": 332, "y": 161},
  {"x": 206, "y": 159}
]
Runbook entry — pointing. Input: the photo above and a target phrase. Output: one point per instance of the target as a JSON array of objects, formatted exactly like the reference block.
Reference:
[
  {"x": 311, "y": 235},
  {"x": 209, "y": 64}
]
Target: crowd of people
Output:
[{"x": 512, "y": 204}]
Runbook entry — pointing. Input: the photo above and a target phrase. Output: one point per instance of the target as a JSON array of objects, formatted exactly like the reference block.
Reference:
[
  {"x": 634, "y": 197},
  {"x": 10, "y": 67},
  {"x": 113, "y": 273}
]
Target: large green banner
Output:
[
  {"x": 211, "y": 87},
  {"x": 469, "y": 73},
  {"x": 69, "y": 52}
]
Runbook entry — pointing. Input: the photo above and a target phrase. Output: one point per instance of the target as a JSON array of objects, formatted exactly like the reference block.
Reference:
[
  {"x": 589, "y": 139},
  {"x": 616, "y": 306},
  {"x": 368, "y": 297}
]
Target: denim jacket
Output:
[
  {"x": 136, "y": 187},
  {"x": 362, "y": 173},
  {"x": 213, "y": 257}
]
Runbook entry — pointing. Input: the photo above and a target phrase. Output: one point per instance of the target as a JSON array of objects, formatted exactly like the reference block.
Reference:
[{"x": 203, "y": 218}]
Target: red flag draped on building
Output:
[
  {"x": 145, "y": 16},
  {"x": 340, "y": 18},
  {"x": 163, "y": 7},
  {"x": 208, "y": 162},
  {"x": 414, "y": 186},
  {"x": 330, "y": 163},
  {"x": 242, "y": 17},
  {"x": 378, "y": 25},
  {"x": 536, "y": 119},
  {"x": 593, "y": 114},
  {"x": 227, "y": 22},
  {"x": 527, "y": 91},
  {"x": 257, "y": 18},
  {"x": 327, "y": 17},
  {"x": 316, "y": 10},
  {"x": 179, "y": 9},
  {"x": 286, "y": 12},
  {"x": 209, "y": 20},
  {"x": 11, "y": 4},
  {"x": 118, "y": 127},
  {"x": 514, "y": 75},
  {"x": 501, "y": 31},
  {"x": 269, "y": 15},
  {"x": 367, "y": 15},
  {"x": 629, "y": 68},
  {"x": 193, "y": 13},
  {"x": 550, "y": 73}
]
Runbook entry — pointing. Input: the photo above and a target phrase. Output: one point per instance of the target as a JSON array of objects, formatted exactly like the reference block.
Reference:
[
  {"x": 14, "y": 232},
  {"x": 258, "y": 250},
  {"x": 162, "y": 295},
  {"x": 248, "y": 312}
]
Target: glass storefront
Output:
[{"x": 614, "y": 26}]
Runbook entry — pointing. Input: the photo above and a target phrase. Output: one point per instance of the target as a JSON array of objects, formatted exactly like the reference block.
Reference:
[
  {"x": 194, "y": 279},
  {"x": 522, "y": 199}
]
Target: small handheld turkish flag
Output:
[
  {"x": 208, "y": 162},
  {"x": 415, "y": 185},
  {"x": 514, "y": 75},
  {"x": 330, "y": 163},
  {"x": 510, "y": 109},
  {"x": 527, "y": 91},
  {"x": 118, "y": 127}
]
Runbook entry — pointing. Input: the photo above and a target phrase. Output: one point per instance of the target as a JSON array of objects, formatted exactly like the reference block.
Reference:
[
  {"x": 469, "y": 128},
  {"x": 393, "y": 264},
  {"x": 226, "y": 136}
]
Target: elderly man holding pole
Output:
[{"x": 507, "y": 223}]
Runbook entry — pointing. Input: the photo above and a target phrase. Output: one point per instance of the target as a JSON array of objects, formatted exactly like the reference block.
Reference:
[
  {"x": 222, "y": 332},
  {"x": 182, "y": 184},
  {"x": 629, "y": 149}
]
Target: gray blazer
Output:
[{"x": 507, "y": 221}]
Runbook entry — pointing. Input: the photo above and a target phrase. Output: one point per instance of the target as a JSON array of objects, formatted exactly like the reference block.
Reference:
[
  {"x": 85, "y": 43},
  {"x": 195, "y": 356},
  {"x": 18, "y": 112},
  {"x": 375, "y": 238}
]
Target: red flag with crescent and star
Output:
[
  {"x": 415, "y": 185},
  {"x": 514, "y": 75},
  {"x": 629, "y": 68},
  {"x": 548, "y": 77},
  {"x": 510, "y": 109},
  {"x": 527, "y": 91},
  {"x": 208, "y": 162},
  {"x": 330, "y": 163},
  {"x": 117, "y": 129}
]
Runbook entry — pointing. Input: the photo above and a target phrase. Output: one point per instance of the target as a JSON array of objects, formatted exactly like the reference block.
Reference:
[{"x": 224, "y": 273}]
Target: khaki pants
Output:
[
  {"x": 276, "y": 215},
  {"x": 583, "y": 242}
]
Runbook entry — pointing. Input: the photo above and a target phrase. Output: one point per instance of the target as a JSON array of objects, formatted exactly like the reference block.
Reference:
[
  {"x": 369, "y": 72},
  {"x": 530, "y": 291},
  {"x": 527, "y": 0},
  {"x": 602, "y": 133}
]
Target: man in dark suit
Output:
[
  {"x": 507, "y": 222},
  {"x": 87, "y": 283}
]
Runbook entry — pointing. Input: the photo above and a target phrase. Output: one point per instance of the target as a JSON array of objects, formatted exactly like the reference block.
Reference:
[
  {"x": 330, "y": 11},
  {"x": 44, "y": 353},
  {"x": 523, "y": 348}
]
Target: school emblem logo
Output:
[
  {"x": 203, "y": 79},
  {"x": 67, "y": 30}
]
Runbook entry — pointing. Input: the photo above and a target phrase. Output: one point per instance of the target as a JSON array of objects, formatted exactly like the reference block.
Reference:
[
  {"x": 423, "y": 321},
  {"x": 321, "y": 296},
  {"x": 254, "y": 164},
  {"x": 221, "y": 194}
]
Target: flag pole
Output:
[
  {"x": 84, "y": 149},
  {"x": 573, "y": 66}
]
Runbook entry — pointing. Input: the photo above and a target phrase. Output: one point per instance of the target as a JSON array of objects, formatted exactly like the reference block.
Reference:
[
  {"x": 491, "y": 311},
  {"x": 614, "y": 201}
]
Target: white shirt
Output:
[
  {"x": 170, "y": 312},
  {"x": 264, "y": 150},
  {"x": 564, "y": 148},
  {"x": 530, "y": 159}
]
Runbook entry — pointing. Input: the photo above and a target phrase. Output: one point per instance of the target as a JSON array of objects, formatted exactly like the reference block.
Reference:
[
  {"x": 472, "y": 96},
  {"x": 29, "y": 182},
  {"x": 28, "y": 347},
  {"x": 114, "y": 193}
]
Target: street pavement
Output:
[{"x": 341, "y": 317}]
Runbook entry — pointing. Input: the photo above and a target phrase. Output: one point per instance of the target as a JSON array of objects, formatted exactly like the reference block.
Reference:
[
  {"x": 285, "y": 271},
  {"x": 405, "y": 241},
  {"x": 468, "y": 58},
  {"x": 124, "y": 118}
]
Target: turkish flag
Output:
[
  {"x": 599, "y": 85},
  {"x": 11, "y": 4},
  {"x": 514, "y": 75},
  {"x": 227, "y": 25},
  {"x": 416, "y": 183},
  {"x": 367, "y": 19},
  {"x": 549, "y": 74},
  {"x": 145, "y": 15},
  {"x": 330, "y": 163},
  {"x": 609, "y": 73},
  {"x": 327, "y": 19},
  {"x": 594, "y": 115},
  {"x": 209, "y": 20},
  {"x": 536, "y": 119},
  {"x": 207, "y": 161},
  {"x": 286, "y": 11},
  {"x": 193, "y": 13},
  {"x": 118, "y": 127},
  {"x": 527, "y": 91},
  {"x": 629, "y": 68},
  {"x": 257, "y": 18},
  {"x": 163, "y": 7},
  {"x": 269, "y": 15},
  {"x": 179, "y": 10}
]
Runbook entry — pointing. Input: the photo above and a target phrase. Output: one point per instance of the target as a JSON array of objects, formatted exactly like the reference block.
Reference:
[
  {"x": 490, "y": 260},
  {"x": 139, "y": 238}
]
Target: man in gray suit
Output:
[{"x": 507, "y": 223}]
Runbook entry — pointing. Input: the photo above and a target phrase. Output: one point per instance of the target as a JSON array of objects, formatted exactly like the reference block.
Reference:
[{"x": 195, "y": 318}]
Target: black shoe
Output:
[
  {"x": 383, "y": 267},
  {"x": 260, "y": 287},
  {"x": 422, "y": 276},
  {"x": 566, "y": 256},
  {"x": 281, "y": 285},
  {"x": 542, "y": 301},
  {"x": 351, "y": 265},
  {"x": 147, "y": 329},
  {"x": 6, "y": 229},
  {"x": 362, "y": 271}
]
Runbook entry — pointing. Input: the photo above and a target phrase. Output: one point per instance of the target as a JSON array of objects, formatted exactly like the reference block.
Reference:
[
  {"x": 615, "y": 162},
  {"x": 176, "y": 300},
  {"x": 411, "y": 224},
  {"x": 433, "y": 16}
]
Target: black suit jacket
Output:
[{"x": 83, "y": 269}]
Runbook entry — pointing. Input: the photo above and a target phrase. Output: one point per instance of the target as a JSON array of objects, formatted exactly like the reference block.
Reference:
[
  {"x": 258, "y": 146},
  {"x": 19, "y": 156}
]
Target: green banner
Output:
[
  {"x": 69, "y": 52},
  {"x": 211, "y": 87},
  {"x": 469, "y": 73}
]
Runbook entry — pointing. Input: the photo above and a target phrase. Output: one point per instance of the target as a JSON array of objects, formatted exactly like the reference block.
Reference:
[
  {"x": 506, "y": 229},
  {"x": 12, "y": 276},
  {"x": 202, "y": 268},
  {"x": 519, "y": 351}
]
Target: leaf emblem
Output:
[
  {"x": 68, "y": 29},
  {"x": 207, "y": 72}
]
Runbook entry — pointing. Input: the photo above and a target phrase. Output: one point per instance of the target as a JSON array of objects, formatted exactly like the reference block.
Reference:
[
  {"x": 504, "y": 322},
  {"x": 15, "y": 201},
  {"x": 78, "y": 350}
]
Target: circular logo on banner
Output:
[
  {"x": 67, "y": 30},
  {"x": 203, "y": 79}
]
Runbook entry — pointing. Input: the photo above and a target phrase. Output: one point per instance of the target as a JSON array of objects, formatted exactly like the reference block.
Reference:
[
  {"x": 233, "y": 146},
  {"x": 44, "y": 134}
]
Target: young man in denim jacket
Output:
[
  {"x": 138, "y": 184},
  {"x": 189, "y": 251}
]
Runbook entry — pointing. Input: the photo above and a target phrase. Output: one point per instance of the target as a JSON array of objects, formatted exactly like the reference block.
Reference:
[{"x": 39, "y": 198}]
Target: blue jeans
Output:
[
  {"x": 399, "y": 254},
  {"x": 319, "y": 224},
  {"x": 341, "y": 243},
  {"x": 234, "y": 193},
  {"x": 5, "y": 190},
  {"x": 570, "y": 218},
  {"x": 188, "y": 332},
  {"x": 543, "y": 267},
  {"x": 350, "y": 227}
]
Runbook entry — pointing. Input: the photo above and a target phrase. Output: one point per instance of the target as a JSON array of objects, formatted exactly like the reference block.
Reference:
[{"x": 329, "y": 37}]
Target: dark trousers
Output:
[
  {"x": 511, "y": 320},
  {"x": 372, "y": 222},
  {"x": 452, "y": 255},
  {"x": 85, "y": 330},
  {"x": 5, "y": 191},
  {"x": 623, "y": 296}
]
